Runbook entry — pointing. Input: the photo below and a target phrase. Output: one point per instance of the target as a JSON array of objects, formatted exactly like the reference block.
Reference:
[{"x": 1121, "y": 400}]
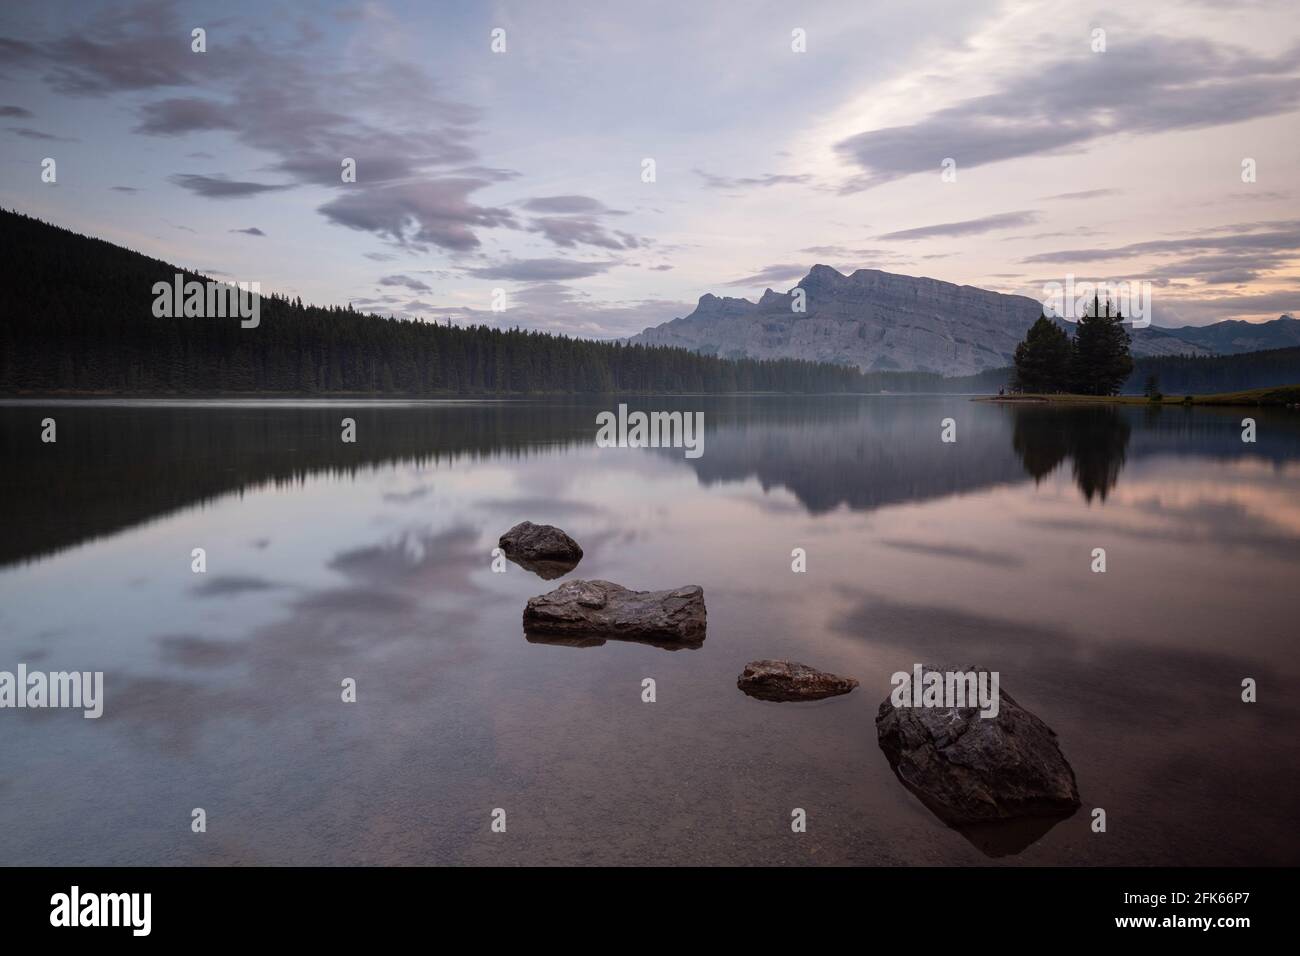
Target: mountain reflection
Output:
[
  {"x": 118, "y": 464},
  {"x": 1095, "y": 438}
]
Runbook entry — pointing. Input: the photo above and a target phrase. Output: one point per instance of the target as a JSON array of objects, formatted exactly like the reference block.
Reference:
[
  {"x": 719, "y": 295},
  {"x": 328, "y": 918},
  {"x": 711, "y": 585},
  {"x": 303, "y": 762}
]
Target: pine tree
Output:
[
  {"x": 1042, "y": 360},
  {"x": 1100, "y": 360}
]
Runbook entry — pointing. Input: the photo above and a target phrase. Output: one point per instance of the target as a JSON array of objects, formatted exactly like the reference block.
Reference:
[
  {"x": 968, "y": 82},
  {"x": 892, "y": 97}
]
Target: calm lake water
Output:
[{"x": 372, "y": 561}]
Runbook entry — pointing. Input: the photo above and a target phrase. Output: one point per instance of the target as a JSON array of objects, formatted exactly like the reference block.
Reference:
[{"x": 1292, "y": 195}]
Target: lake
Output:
[{"x": 372, "y": 561}]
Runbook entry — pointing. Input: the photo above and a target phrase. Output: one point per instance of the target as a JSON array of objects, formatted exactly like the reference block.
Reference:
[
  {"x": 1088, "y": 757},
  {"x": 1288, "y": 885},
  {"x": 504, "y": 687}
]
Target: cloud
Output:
[
  {"x": 126, "y": 48},
  {"x": 573, "y": 220},
  {"x": 124, "y": 189},
  {"x": 405, "y": 282},
  {"x": 250, "y": 231},
  {"x": 570, "y": 231},
  {"x": 1198, "y": 309},
  {"x": 307, "y": 112},
  {"x": 1149, "y": 85},
  {"x": 775, "y": 273},
  {"x": 566, "y": 205},
  {"x": 967, "y": 227},
  {"x": 15, "y": 112},
  {"x": 174, "y": 117},
  {"x": 434, "y": 212},
  {"x": 559, "y": 308},
  {"x": 712, "y": 181},
  {"x": 26, "y": 133},
  {"x": 1085, "y": 194},
  {"x": 543, "y": 270},
  {"x": 222, "y": 187},
  {"x": 1257, "y": 239}
]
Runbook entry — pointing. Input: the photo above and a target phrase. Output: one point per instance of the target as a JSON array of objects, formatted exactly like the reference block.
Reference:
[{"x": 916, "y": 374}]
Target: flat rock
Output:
[
  {"x": 600, "y": 609},
  {"x": 541, "y": 548},
  {"x": 787, "y": 680},
  {"x": 970, "y": 769}
]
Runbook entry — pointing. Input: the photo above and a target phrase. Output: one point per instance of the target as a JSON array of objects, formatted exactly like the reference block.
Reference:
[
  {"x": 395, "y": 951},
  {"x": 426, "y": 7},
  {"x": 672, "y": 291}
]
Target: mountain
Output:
[
  {"x": 1233, "y": 337},
  {"x": 880, "y": 321}
]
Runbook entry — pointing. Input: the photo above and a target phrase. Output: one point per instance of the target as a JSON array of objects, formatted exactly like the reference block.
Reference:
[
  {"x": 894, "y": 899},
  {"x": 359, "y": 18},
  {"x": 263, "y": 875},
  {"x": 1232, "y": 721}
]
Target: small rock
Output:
[
  {"x": 786, "y": 680},
  {"x": 970, "y": 769},
  {"x": 541, "y": 548},
  {"x": 604, "y": 610}
]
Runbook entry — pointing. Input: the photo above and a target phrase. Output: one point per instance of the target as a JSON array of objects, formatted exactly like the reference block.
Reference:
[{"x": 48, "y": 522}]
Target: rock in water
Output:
[
  {"x": 602, "y": 609},
  {"x": 786, "y": 680},
  {"x": 970, "y": 769},
  {"x": 541, "y": 548}
]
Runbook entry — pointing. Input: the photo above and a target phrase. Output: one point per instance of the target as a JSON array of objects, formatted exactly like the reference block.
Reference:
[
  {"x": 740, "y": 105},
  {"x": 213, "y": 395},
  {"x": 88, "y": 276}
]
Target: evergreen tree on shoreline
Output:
[
  {"x": 1042, "y": 360},
  {"x": 1100, "y": 361}
]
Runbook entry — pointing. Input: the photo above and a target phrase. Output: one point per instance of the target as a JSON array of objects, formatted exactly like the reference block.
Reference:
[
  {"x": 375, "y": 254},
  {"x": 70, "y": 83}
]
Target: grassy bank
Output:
[{"x": 1278, "y": 395}]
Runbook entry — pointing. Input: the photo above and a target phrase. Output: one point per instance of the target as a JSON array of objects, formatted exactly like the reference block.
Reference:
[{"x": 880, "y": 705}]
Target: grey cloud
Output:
[
  {"x": 575, "y": 221},
  {"x": 16, "y": 112},
  {"x": 1150, "y": 85},
  {"x": 968, "y": 227},
  {"x": 124, "y": 189},
  {"x": 222, "y": 187},
  {"x": 1225, "y": 268},
  {"x": 1201, "y": 310},
  {"x": 565, "y": 205},
  {"x": 26, "y": 133},
  {"x": 1265, "y": 237},
  {"x": 308, "y": 113},
  {"x": 174, "y": 117},
  {"x": 405, "y": 282},
  {"x": 434, "y": 212},
  {"x": 250, "y": 231},
  {"x": 1085, "y": 194},
  {"x": 556, "y": 307},
  {"x": 713, "y": 181},
  {"x": 543, "y": 270},
  {"x": 128, "y": 48},
  {"x": 774, "y": 273},
  {"x": 570, "y": 231}
]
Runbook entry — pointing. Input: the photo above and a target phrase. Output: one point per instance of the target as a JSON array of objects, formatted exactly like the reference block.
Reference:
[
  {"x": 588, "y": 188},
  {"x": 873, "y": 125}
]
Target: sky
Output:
[{"x": 1106, "y": 142}]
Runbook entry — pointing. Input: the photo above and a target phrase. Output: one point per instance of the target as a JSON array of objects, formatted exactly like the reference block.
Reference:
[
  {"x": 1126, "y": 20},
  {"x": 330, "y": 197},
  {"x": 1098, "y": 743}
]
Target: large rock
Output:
[
  {"x": 970, "y": 769},
  {"x": 541, "y": 548},
  {"x": 787, "y": 680},
  {"x": 599, "y": 609}
]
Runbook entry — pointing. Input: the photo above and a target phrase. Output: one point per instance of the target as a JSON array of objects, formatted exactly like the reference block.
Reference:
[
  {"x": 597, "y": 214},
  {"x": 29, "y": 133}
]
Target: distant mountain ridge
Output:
[{"x": 882, "y": 321}]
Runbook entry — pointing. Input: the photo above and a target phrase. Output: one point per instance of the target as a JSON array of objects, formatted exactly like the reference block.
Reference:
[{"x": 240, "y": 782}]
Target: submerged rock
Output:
[
  {"x": 599, "y": 609},
  {"x": 541, "y": 548},
  {"x": 970, "y": 769},
  {"x": 787, "y": 680}
]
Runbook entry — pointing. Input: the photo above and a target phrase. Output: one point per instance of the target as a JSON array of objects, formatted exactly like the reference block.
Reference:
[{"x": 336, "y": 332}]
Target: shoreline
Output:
[{"x": 1280, "y": 396}]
